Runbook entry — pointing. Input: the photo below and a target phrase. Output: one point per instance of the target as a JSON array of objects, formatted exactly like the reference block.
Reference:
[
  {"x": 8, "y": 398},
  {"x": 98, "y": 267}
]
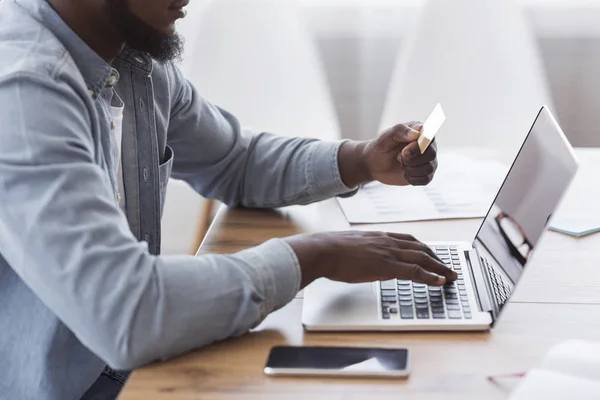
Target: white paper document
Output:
[
  {"x": 462, "y": 188},
  {"x": 571, "y": 370}
]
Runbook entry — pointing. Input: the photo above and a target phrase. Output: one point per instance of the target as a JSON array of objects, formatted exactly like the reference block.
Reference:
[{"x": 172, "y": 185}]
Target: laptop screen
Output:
[{"x": 534, "y": 185}]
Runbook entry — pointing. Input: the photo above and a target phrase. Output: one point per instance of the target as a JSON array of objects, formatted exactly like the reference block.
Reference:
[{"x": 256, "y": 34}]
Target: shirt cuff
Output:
[
  {"x": 323, "y": 171},
  {"x": 279, "y": 272}
]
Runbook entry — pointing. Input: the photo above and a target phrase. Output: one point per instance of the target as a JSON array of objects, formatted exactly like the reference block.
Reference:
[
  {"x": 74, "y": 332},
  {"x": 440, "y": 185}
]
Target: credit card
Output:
[{"x": 430, "y": 127}]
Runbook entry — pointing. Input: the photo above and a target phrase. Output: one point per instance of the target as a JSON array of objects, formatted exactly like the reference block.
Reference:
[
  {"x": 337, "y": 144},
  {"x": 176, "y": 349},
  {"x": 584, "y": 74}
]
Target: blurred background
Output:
[
  {"x": 349, "y": 68},
  {"x": 358, "y": 42}
]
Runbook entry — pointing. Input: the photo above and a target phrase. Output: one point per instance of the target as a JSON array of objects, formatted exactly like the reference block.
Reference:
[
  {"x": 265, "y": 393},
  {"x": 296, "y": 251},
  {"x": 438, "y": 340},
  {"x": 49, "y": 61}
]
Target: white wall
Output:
[{"x": 359, "y": 40}]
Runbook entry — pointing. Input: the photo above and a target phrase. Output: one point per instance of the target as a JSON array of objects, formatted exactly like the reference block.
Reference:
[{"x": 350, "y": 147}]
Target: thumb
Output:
[{"x": 397, "y": 136}]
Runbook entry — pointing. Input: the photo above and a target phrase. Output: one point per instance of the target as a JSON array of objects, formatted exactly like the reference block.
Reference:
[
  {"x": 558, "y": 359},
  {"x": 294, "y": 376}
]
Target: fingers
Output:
[
  {"x": 419, "y": 275},
  {"x": 396, "y": 137},
  {"x": 367, "y": 256},
  {"x": 416, "y": 125},
  {"x": 411, "y": 272},
  {"x": 403, "y": 134},
  {"x": 411, "y": 155},
  {"x": 409, "y": 250},
  {"x": 427, "y": 263},
  {"x": 416, "y": 245},
  {"x": 401, "y": 236},
  {"x": 421, "y": 175},
  {"x": 421, "y": 170}
]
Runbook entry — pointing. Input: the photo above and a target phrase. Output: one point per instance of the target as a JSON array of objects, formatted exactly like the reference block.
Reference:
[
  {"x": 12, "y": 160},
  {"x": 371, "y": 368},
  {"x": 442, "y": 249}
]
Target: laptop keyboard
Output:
[
  {"x": 410, "y": 300},
  {"x": 501, "y": 290}
]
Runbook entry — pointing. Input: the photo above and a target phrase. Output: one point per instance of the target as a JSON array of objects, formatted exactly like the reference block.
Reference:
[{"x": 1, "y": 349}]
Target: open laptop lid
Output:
[{"x": 537, "y": 180}]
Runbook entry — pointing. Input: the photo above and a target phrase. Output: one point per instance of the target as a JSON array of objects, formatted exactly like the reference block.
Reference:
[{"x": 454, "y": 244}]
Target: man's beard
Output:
[{"x": 142, "y": 37}]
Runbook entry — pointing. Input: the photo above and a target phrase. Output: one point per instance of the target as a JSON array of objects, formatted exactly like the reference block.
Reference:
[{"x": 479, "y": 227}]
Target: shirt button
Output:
[
  {"x": 112, "y": 80},
  {"x": 91, "y": 92},
  {"x": 113, "y": 125}
]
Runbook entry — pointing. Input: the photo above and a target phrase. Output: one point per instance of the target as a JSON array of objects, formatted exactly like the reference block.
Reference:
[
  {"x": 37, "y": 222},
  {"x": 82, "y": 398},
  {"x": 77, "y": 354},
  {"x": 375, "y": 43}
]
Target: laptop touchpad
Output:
[{"x": 333, "y": 303}]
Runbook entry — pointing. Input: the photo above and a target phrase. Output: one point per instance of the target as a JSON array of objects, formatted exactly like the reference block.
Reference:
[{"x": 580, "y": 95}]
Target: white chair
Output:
[
  {"x": 186, "y": 218},
  {"x": 480, "y": 61},
  {"x": 254, "y": 59}
]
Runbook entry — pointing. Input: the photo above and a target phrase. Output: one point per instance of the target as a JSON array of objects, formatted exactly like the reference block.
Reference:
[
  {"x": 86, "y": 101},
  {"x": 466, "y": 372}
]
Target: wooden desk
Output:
[{"x": 559, "y": 299}]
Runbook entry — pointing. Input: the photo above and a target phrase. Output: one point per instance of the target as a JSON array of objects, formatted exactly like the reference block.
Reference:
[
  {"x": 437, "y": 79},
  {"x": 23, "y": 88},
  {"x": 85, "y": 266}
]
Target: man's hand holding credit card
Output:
[{"x": 401, "y": 155}]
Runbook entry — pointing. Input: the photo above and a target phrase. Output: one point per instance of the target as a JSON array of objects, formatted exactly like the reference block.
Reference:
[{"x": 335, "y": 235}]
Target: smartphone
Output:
[{"x": 338, "y": 361}]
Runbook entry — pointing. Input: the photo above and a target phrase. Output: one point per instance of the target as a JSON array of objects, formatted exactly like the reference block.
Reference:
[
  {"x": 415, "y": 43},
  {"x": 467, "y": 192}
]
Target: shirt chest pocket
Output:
[{"x": 164, "y": 172}]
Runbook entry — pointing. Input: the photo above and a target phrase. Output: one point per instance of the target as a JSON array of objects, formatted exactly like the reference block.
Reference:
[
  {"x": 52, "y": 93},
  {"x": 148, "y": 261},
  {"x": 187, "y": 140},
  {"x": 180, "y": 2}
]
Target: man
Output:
[{"x": 82, "y": 286}]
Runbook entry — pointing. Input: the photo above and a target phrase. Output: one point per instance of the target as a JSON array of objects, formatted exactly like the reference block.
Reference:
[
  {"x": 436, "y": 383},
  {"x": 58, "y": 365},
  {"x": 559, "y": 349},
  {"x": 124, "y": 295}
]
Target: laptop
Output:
[{"x": 489, "y": 268}]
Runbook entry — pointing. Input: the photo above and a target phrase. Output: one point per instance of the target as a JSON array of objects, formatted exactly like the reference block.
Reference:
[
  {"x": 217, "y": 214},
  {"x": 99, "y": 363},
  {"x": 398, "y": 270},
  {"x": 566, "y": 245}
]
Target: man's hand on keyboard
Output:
[{"x": 357, "y": 256}]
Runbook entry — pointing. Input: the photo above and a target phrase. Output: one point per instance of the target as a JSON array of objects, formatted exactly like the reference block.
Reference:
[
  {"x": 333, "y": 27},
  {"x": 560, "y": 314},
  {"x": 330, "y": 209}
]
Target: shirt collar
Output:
[{"x": 96, "y": 72}]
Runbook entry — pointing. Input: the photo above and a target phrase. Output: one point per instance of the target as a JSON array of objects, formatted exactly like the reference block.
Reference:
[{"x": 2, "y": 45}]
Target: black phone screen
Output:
[{"x": 338, "y": 358}]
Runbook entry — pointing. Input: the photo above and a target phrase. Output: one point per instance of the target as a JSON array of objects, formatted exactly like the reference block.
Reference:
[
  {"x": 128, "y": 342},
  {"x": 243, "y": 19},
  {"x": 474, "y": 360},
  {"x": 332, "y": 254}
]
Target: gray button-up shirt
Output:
[{"x": 81, "y": 281}]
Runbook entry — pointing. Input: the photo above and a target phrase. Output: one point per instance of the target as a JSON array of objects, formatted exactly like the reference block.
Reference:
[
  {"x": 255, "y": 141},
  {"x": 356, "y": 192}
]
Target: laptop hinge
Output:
[{"x": 482, "y": 292}]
